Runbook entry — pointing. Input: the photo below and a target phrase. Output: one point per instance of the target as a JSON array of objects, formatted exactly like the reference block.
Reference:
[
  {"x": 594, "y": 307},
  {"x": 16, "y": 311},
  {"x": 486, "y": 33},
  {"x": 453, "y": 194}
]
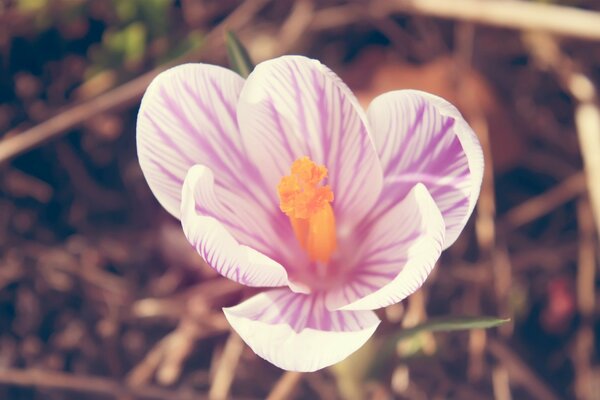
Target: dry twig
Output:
[
  {"x": 519, "y": 371},
  {"x": 586, "y": 300},
  {"x": 540, "y": 205},
  {"x": 587, "y": 112},
  {"x": 225, "y": 371},
  {"x": 15, "y": 143},
  {"x": 485, "y": 227},
  {"x": 527, "y": 16},
  {"x": 285, "y": 386},
  {"x": 87, "y": 384},
  {"x": 167, "y": 356}
]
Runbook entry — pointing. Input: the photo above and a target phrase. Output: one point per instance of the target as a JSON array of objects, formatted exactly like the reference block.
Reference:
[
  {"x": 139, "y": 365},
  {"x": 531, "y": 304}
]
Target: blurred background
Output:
[{"x": 101, "y": 297}]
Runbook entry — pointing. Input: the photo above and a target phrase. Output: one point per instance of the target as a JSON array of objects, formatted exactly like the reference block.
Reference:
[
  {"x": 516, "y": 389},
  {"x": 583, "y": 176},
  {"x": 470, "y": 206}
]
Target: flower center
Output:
[{"x": 307, "y": 204}]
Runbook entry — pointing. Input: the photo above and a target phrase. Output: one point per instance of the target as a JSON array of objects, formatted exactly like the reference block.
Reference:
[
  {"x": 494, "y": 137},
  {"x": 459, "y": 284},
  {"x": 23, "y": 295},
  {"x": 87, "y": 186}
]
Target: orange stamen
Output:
[{"x": 308, "y": 206}]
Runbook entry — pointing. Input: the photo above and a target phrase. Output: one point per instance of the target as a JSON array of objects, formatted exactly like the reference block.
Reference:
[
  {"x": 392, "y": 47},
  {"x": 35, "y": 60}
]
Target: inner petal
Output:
[
  {"x": 393, "y": 255},
  {"x": 292, "y": 106}
]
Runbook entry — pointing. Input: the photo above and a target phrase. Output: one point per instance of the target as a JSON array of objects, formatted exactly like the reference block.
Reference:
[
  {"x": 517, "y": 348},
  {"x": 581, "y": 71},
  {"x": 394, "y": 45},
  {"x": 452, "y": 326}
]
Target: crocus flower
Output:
[{"x": 282, "y": 181}]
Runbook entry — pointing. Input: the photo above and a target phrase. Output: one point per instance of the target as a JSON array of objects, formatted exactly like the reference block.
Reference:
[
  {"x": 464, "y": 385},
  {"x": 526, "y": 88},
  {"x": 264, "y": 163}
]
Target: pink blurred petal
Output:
[
  {"x": 188, "y": 117},
  {"x": 207, "y": 223},
  {"x": 293, "y": 106},
  {"x": 296, "y": 332},
  {"x": 423, "y": 138},
  {"x": 397, "y": 253}
]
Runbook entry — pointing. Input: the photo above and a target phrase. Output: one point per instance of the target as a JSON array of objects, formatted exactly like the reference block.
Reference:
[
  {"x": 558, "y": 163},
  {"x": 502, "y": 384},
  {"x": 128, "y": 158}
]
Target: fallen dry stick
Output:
[
  {"x": 16, "y": 143},
  {"x": 225, "y": 371},
  {"x": 587, "y": 120},
  {"x": 285, "y": 386},
  {"x": 519, "y": 371},
  {"x": 87, "y": 384},
  {"x": 538, "y": 206},
  {"x": 528, "y": 16},
  {"x": 583, "y": 350},
  {"x": 165, "y": 359},
  {"x": 549, "y": 56}
]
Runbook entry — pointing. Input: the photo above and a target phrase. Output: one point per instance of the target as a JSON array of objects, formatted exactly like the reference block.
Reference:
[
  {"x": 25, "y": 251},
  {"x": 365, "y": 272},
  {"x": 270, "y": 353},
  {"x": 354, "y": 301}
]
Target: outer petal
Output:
[
  {"x": 187, "y": 117},
  {"x": 423, "y": 138},
  {"x": 293, "y": 106},
  {"x": 201, "y": 213},
  {"x": 396, "y": 255},
  {"x": 296, "y": 332}
]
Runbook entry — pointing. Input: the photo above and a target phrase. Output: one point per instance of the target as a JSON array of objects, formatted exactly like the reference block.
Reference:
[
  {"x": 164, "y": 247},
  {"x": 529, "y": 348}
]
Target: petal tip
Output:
[
  {"x": 304, "y": 350},
  {"x": 214, "y": 242}
]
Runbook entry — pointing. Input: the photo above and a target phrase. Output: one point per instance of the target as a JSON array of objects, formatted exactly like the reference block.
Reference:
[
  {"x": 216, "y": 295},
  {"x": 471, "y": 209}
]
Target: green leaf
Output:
[
  {"x": 134, "y": 41},
  {"x": 439, "y": 324},
  {"x": 32, "y": 5},
  {"x": 178, "y": 48},
  {"x": 238, "y": 55},
  {"x": 446, "y": 324}
]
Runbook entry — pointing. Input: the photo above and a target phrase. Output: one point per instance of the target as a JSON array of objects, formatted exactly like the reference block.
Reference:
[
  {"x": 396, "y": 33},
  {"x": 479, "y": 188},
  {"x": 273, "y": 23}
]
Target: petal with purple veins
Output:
[
  {"x": 296, "y": 332},
  {"x": 397, "y": 253},
  {"x": 208, "y": 223},
  {"x": 188, "y": 117},
  {"x": 423, "y": 138},
  {"x": 293, "y": 106}
]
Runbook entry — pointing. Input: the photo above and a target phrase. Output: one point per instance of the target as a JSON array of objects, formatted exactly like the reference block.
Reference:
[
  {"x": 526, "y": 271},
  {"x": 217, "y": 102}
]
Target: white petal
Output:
[
  {"x": 188, "y": 117},
  {"x": 397, "y": 253},
  {"x": 201, "y": 216},
  {"x": 293, "y": 106},
  {"x": 423, "y": 138},
  {"x": 296, "y": 332}
]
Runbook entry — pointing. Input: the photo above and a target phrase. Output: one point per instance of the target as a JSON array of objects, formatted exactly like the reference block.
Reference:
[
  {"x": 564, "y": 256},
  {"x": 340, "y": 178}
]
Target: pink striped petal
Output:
[
  {"x": 296, "y": 332},
  {"x": 293, "y": 106},
  {"x": 423, "y": 138},
  {"x": 207, "y": 222},
  {"x": 397, "y": 253},
  {"x": 188, "y": 117}
]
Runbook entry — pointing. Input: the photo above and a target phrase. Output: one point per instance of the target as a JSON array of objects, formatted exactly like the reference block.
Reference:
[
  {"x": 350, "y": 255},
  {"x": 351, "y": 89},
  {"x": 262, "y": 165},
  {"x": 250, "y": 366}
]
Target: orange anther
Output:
[{"x": 308, "y": 206}]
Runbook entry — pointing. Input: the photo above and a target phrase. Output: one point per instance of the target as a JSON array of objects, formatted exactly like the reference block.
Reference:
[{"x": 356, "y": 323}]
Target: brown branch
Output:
[
  {"x": 587, "y": 120},
  {"x": 583, "y": 348},
  {"x": 16, "y": 143},
  {"x": 166, "y": 358},
  {"x": 528, "y": 16},
  {"x": 225, "y": 370},
  {"x": 520, "y": 372},
  {"x": 501, "y": 383},
  {"x": 285, "y": 386},
  {"x": 125, "y": 95},
  {"x": 538, "y": 206},
  {"x": 549, "y": 56},
  {"x": 87, "y": 384},
  {"x": 485, "y": 227}
]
